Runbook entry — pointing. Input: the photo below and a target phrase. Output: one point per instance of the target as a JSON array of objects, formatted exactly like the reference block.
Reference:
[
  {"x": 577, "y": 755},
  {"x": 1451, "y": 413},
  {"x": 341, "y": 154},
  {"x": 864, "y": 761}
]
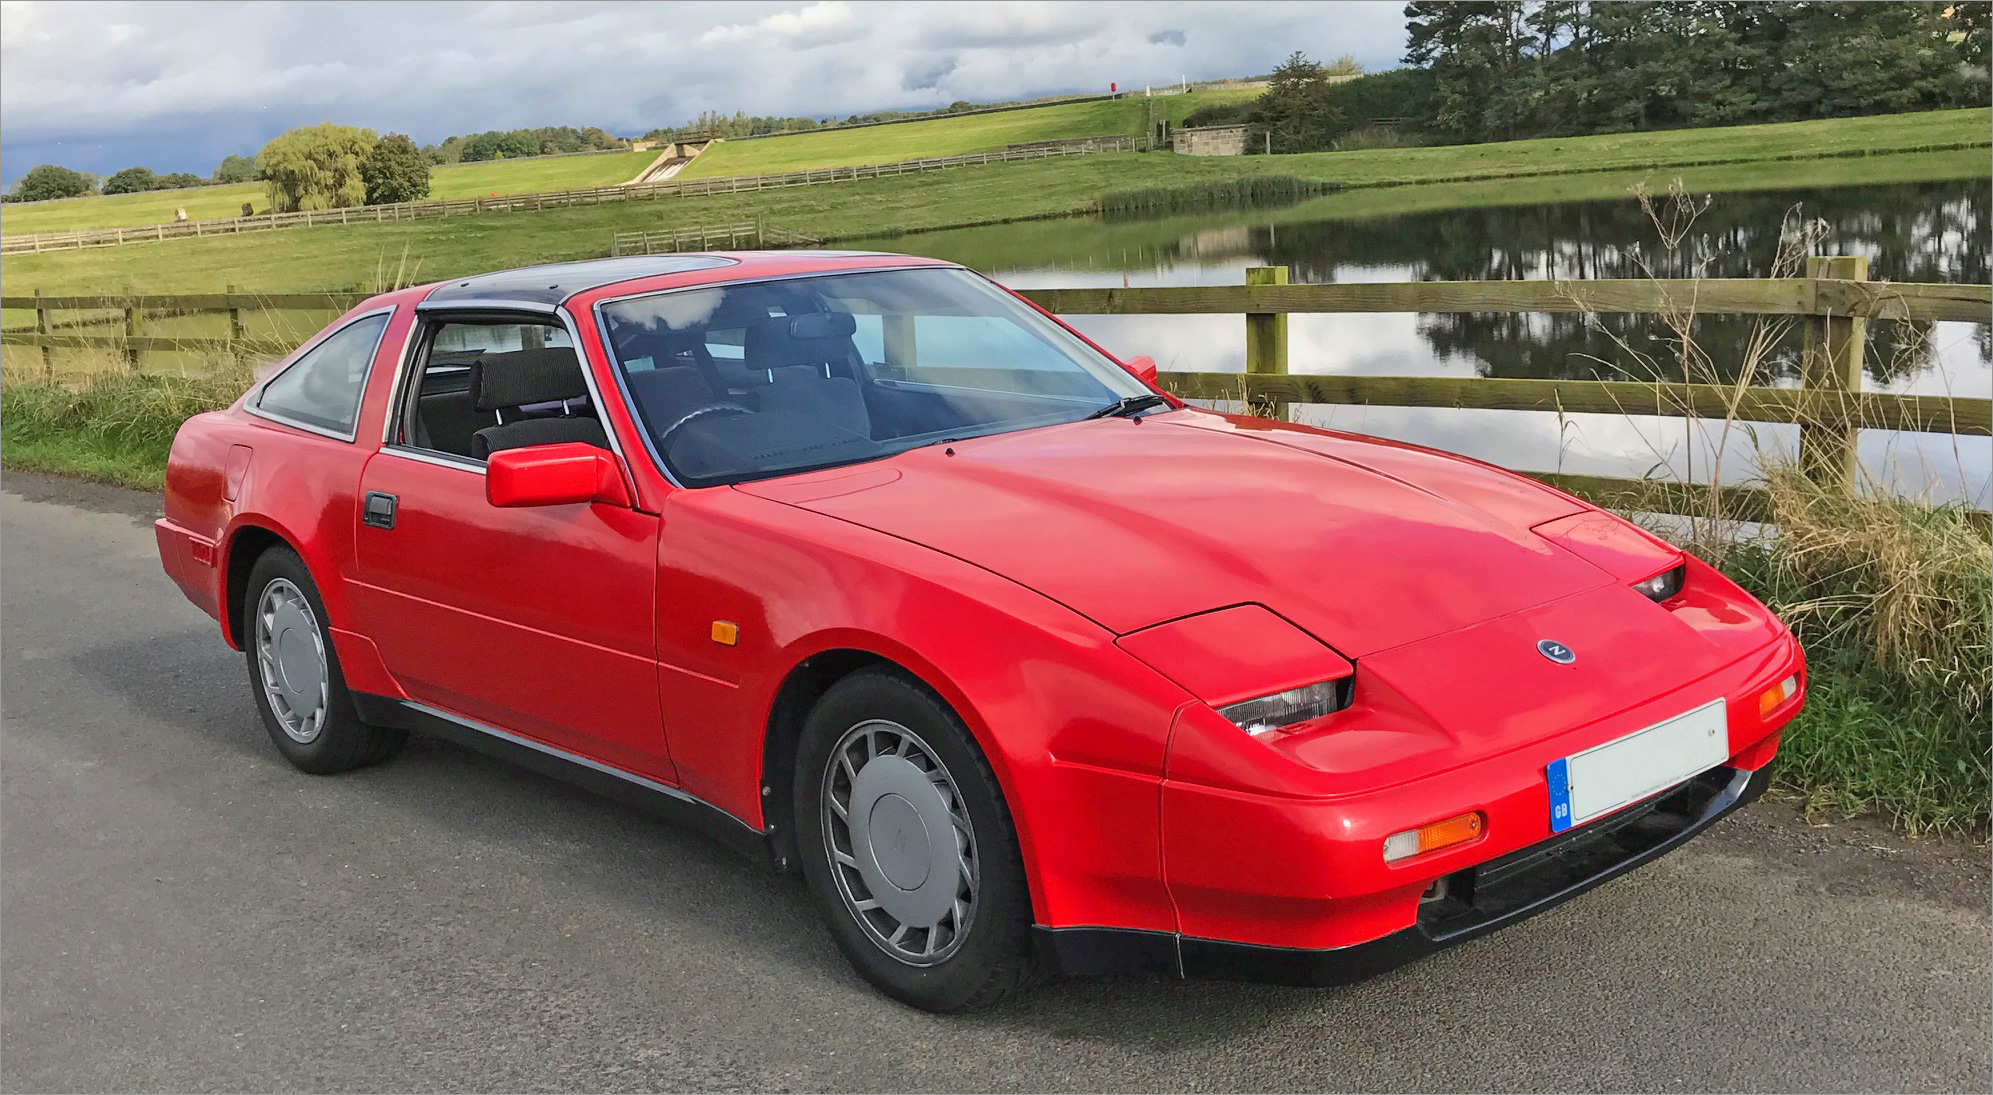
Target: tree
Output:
[
  {"x": 1514, "y": 68},
  {"x": 1346, "y": 65},
  {"x": 1295, "y": 113},
  {"x": 132, "y": 180},
  {"x": 1973, "y": 31},
  {"x": 238, "y": 169},
  {"x": 179, "y": 180},
  {"x": 395, "y": 171},
  {"x": 316, "y": 167},
  {"x": 49, "y": 181}
]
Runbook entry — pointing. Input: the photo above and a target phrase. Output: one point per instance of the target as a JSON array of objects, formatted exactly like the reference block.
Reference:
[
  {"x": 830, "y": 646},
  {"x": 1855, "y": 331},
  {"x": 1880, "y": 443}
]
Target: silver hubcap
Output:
[
  {"x": 290, "y": 655},
  {"x": 900, "y": 843}
]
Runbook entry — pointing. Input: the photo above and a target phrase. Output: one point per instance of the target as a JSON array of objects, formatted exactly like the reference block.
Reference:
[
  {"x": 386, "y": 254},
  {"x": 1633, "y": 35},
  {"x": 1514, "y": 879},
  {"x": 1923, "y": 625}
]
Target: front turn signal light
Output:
[
  {"x": 1431, "y": 838},
  {"x": 1777, "y": 694}
]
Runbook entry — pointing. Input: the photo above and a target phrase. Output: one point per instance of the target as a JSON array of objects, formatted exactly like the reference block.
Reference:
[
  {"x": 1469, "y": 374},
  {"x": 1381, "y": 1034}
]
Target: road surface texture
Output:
[{"x": 181, "y": 911}]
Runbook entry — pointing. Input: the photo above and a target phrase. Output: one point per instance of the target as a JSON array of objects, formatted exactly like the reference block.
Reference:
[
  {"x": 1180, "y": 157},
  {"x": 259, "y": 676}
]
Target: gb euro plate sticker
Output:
[{"x": 1558, "y": 775}]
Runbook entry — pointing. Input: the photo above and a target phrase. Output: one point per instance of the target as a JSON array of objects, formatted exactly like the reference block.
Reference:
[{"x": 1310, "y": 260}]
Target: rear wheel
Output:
[
  {"x": 294, "y": 673},
  {"x": 907, "y": 848}
]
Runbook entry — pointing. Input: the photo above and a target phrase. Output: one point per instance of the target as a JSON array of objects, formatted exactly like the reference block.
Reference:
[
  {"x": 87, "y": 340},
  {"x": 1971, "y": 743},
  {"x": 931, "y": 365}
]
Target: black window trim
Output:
[
  {"x": 255, "y": 406},
  {"x": 430, "y": 315}
]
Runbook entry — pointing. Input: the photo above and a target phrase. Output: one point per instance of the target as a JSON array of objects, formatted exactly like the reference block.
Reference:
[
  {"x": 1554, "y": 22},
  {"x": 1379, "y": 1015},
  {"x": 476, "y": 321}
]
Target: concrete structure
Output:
[{"x": 1217, "y": 140}]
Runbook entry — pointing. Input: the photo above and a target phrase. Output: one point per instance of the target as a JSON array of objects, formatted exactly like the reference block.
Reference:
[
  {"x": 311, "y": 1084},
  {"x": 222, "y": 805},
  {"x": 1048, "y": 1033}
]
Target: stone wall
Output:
[{"x": 1217, "y": 140}]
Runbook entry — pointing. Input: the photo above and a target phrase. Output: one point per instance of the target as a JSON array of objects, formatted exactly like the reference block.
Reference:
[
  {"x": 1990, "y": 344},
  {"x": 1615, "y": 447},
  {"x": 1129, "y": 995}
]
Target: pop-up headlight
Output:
[
  {"x": 1310, "y": 701},
  {"x": 1663, "y": 585},
  {"x": 1257, "y": 670}
]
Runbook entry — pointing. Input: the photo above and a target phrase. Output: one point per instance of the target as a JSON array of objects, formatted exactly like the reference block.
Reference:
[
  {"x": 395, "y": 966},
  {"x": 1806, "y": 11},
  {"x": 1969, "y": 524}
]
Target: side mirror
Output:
[
  {"x": 566, "y": 474},
  {"x": 1143, "y": 367}
]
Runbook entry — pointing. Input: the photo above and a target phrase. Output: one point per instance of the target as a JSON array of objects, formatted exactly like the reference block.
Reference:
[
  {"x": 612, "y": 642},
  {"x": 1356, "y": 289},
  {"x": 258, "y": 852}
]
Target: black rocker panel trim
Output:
[{"x": 631, "y": 790}]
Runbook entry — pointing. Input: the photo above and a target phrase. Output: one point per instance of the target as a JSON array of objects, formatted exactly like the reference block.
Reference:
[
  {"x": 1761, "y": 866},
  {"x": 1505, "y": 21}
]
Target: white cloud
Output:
[
  {"x": 177, "y": 85},
  {"x": 824, "y": 23}
]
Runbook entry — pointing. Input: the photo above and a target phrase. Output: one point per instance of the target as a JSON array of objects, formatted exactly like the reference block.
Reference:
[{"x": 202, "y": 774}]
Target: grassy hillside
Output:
[
  {"x": 948, "y": 135},
  {"x": 216, "y": 202},
  {"x": 359, "y": 255}
]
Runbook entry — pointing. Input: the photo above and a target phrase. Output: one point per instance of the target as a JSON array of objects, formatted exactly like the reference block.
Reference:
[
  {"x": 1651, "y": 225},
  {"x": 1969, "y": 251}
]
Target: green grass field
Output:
[
  {"x": 948, "y": 135},
  {"x": 218, "y": 202},
  {"x": 358, "y": 256}
]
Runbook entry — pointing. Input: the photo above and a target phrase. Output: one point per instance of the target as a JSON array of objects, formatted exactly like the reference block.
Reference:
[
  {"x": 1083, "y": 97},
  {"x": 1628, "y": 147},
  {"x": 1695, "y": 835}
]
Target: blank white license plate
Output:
[{"x": 1605, "y": 777}]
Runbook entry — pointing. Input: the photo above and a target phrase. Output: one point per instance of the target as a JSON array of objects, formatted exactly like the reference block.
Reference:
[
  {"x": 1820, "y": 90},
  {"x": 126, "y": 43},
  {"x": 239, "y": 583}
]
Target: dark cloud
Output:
[{"x": 179, "y": 85}]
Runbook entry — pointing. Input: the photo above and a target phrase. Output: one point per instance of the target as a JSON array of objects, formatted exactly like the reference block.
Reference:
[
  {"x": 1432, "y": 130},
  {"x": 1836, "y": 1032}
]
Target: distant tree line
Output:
[
  {"x": 712, "y": 123},
  {"x": 1507, "y": 69},
  {"x": 505, "y": 144},
  {"x": 312, "y": 167},
  {"x": 46, "y": 181}
]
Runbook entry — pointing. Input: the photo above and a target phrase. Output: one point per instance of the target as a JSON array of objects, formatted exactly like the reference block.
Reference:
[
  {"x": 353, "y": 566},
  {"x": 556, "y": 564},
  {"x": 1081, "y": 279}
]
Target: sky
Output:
[{"x": 177, "y": 86}]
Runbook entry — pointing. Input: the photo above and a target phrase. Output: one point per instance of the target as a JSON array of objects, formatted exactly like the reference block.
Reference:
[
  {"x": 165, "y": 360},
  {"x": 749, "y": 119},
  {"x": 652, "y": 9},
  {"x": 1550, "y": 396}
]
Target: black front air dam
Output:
[{"x": 1477, "y": 900}]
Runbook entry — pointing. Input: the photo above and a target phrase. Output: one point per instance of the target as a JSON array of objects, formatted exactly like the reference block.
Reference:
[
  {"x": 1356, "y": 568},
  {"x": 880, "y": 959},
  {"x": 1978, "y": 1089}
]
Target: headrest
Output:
[
  {"x": 521, "y": 377},
  {"x": 811, "y": 325},
  {"x": 807, "y": 339},
  {"x": 632, "y": 341}
]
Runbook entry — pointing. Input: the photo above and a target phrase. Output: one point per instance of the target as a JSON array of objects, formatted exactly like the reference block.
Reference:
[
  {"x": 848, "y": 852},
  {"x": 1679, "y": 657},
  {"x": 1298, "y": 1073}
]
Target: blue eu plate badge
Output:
[{"x": 1559, "y": 778}]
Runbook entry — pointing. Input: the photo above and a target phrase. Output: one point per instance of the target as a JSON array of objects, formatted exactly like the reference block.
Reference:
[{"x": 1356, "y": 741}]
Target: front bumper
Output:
[{"x": 1476, "y": 900}]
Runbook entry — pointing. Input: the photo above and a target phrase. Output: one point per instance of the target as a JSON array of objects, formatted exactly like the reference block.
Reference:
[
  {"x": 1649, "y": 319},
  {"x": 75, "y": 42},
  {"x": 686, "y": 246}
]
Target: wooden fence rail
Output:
[
  {"x": 732, "y": 237},
  {"x": 511, "y": 203},
  {"x": 1830, "y": 409}
]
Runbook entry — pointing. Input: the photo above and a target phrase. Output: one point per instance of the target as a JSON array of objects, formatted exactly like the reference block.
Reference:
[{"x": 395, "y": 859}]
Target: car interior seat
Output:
[{"x": 502, "y": 384}]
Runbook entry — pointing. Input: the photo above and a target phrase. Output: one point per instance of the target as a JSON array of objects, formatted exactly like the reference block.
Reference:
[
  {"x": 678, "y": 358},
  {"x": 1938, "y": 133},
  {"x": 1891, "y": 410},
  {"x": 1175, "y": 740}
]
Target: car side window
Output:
[
  {"x": 322, "y": 389},
  {"x": 483, "y": 385}
]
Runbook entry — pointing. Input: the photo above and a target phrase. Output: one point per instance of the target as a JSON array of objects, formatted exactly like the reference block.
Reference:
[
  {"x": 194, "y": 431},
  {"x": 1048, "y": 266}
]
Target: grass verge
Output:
[
  {"x": 114, "y": 426},
  {"x": 1891, "y": 600}
]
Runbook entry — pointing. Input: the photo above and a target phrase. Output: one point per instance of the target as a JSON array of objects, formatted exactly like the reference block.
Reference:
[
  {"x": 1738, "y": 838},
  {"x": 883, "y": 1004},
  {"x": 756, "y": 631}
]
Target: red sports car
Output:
[{"x": 874, "y": 569}]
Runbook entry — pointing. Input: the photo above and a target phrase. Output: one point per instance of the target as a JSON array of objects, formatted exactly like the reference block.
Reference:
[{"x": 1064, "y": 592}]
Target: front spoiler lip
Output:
[{"x": 1082, "y": 951}]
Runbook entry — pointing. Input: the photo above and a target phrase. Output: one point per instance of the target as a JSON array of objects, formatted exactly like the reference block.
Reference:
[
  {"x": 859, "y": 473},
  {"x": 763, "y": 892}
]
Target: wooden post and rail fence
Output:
[
  {"x": 36, "y": 242},
  {"x": 1833, "y": 304}
]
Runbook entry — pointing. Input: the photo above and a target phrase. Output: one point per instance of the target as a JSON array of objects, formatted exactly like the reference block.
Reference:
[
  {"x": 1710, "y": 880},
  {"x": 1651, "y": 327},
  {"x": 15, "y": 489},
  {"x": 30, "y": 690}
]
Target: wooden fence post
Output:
[
  {"x": 41, "y": 328},
  {"x": 235, "y": 331},
  {"x": 1266, "y": 332},
  {"x": 131, "y": 332},
  {"x": 1833, "y": 373}
]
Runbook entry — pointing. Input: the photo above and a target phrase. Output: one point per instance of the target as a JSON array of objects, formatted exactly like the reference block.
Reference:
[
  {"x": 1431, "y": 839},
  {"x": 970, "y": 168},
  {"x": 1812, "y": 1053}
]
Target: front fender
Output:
[{"x": 1074, "y": 729}]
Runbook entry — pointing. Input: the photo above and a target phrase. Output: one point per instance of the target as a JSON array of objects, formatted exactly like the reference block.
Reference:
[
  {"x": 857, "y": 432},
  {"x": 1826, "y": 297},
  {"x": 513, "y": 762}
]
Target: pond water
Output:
[{"x": 1912, "y": 231}]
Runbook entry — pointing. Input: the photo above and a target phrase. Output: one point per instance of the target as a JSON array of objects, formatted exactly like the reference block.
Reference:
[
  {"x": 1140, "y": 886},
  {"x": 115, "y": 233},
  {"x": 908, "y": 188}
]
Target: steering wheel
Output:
[{"x": 694, "y": 415}]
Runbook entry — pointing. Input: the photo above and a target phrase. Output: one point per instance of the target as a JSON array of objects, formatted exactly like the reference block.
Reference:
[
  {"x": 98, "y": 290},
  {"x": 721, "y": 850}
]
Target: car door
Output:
[{"x": 534, "y": 620}]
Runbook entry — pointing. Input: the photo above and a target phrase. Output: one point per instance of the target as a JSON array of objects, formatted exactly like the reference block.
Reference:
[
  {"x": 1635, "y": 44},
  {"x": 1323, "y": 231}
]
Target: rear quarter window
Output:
[{"x": 322, "y": 389}]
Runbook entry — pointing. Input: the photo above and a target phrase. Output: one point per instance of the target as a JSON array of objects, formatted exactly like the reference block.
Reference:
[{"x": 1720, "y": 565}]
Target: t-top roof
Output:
[{"x": 555, "y": 282}]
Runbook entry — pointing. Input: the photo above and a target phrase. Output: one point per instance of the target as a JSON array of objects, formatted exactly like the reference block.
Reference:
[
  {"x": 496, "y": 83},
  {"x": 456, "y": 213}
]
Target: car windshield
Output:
[{"x": 737, "y": 382}]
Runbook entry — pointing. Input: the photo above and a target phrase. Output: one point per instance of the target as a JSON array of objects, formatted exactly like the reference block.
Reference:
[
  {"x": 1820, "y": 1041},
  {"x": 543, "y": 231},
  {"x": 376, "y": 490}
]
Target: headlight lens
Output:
[
  {"x": 1663, "y": 585},
  {"x": 1269, "y": 713}
]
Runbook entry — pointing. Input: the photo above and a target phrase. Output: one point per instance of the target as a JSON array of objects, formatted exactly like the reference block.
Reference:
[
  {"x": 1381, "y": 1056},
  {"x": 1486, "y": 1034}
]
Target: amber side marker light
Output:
[
  {"x": 1431, "y": 838},
  {"x": 1777, "y": 694}
]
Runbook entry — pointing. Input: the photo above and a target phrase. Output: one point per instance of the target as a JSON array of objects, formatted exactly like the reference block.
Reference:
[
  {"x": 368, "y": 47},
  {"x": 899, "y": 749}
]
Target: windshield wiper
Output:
[{"x": 1129, "y": 405}]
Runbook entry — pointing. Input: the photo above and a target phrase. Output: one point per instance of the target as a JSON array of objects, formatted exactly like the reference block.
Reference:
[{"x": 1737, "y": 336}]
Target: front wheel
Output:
[
  {"x": 907, "y": 848},
  {"x": 294, "y": 673}
]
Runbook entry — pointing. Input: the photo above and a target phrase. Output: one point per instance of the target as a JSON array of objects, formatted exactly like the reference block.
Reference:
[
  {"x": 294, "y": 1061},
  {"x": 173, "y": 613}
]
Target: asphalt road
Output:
[{"x": 181, "y": 911}]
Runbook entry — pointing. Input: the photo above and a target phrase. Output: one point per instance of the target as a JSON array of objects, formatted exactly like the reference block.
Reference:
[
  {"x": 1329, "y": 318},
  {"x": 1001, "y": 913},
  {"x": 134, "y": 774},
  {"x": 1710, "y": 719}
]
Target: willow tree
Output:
[{"x": 316, "y": 167}]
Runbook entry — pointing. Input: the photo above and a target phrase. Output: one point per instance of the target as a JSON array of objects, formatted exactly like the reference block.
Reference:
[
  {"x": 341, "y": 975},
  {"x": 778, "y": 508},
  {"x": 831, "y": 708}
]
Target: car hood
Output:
[{"x": 1366, "y": 544}]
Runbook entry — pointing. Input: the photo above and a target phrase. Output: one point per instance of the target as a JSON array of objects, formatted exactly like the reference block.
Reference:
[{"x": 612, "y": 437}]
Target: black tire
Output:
[
  {"x": 994, "y": 958},
  {"x": 342, "y": 742}
]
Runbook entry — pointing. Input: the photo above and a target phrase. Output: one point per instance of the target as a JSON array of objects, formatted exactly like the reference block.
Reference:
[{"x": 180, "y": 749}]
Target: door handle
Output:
[{"x": 378, "y": 510}]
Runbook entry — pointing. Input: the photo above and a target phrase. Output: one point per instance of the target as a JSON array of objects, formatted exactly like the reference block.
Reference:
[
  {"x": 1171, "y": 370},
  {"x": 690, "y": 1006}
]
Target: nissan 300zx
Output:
[{"x": 869, "y": 567}]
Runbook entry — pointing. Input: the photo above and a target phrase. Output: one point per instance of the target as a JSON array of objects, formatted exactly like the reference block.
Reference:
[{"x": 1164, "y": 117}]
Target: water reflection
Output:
[{"x": 1914, "y": 231}]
